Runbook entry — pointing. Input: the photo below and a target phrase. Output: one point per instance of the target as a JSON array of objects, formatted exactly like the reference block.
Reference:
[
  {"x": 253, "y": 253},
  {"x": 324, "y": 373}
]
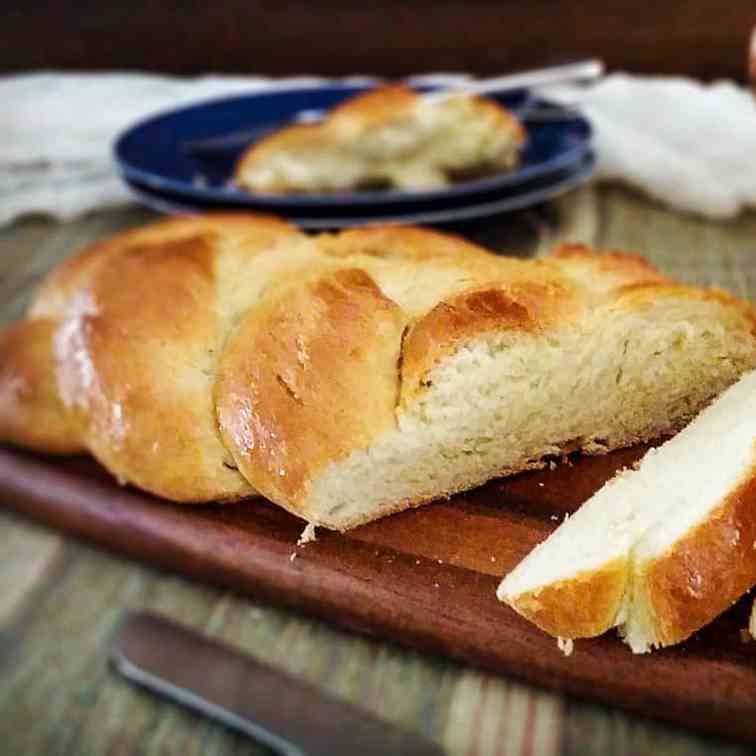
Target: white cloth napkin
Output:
[{"x": 689, "y": 145}]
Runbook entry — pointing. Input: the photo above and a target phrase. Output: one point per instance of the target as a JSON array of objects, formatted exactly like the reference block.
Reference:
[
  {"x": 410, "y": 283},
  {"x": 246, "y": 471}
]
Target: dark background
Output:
[{"x": 706, "y": 38}]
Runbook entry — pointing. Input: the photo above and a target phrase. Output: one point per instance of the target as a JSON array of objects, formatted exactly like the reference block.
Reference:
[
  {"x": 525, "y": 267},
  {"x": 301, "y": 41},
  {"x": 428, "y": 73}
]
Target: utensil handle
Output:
[
  {"x": 289, "y": 716},
  {"x": 585, "y": 70}
]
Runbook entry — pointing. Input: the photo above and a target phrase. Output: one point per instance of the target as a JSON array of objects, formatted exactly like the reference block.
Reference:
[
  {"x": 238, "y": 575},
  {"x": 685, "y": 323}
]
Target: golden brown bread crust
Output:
[
  {"x": 375, "y": 107},
  {"x": 56, "y": 289},
  {"x": 643, "y": 295},
  {"x": 31, "y": 411},
  {"x": 357, "y": 114},
  {"x": 132, "y": 331},
  {"x": 140, "y": 322},
  {"x": 392, "y": 107},
  {"x": 582, "y": 607},
  {"x": 394, "y": 103},
  {"x": 307, "y": 378},
  {"x": 700, "y": 576},
  {"x": 405, "y": 243},
  {"x": 708, "y": 570},
  {"x": 629, "y": 280},
  {"x": 528, "y": 306},
  {"x": 608, "y": 272},
  {"x": 135, "y": 365},
  {"x": 137, "y": 350}
]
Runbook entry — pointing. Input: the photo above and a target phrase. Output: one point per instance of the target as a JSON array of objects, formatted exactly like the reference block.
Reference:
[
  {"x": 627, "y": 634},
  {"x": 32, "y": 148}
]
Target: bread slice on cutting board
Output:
[
  {"x": 389, "y": 136},
  {"x": 661, "y": 549}
]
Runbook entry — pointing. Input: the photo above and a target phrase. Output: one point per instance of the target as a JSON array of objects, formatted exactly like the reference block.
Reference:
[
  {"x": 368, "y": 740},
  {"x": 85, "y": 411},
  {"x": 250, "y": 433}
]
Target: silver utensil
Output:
[
  {"x": 582, "y": 71},
  {"x": 288, "y": 715}
]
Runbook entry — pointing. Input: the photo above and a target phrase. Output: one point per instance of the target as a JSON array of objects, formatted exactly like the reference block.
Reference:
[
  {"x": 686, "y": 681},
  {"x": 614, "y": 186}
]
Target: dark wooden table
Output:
[{"x": 60, "y": 599}]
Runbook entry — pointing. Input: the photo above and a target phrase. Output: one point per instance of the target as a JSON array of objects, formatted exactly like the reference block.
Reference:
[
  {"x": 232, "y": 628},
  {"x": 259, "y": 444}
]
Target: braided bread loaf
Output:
[{"x": 352, "y": 375}]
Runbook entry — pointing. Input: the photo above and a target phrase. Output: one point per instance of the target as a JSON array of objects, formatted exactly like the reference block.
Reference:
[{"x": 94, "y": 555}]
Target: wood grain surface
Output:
[
  {"x": 60, "y": 598},
  {"x": 425, "y": 578}
]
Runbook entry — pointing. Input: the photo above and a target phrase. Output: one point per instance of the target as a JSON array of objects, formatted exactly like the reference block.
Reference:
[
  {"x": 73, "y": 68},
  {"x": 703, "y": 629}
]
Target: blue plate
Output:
[
  {"x": 492, "y": 203},
  {"x": 154, "y": 152}
]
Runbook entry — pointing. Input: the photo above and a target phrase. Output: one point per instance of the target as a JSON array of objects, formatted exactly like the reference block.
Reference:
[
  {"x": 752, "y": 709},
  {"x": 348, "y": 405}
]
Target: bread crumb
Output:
[
  {"x": 293, "y": 556},
  {"x": 493, "y": 558},
  {"x": 417, "y": 561},
  {"x": 436, "y": 585},
  {"x": 552, "y": 465},
  {"x": 440, "y": 561},
  {"x": 565, "y": 645},
  {"x": 308, "y": 535},
  {"x": 555, "y": 517},
  {"x": 566, "y": 516}
]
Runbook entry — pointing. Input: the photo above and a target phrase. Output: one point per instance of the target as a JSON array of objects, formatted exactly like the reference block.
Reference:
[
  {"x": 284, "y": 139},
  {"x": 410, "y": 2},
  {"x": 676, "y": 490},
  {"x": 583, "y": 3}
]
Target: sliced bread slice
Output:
[
  {"x": 660, "y": 550},
  {"x": 390, "y": 136}
]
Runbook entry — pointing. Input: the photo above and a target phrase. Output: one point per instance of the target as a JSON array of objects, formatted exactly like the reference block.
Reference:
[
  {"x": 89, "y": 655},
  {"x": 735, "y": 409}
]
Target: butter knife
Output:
[{"x": 286, "y": 714}]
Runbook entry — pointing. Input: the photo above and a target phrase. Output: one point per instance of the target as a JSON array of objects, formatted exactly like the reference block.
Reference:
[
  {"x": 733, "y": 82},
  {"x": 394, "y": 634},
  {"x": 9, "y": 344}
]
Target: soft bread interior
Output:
[
  {"x": 637, "y": 518},
  {"x": 510, "y": 401}
]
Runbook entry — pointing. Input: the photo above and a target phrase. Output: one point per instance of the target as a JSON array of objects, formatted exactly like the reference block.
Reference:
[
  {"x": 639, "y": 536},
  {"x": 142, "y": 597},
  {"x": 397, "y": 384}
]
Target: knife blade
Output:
[{"x": 288, "y": 715}]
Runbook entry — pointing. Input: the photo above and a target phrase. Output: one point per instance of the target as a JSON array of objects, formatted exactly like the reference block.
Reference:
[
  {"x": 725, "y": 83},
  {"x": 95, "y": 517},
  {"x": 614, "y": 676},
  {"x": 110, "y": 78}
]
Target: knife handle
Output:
[{"x": 286, "y": 714}]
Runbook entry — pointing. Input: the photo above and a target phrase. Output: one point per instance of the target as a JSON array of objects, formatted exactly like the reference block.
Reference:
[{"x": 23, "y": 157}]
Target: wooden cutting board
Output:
[{"x": 425, "y": 578}]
